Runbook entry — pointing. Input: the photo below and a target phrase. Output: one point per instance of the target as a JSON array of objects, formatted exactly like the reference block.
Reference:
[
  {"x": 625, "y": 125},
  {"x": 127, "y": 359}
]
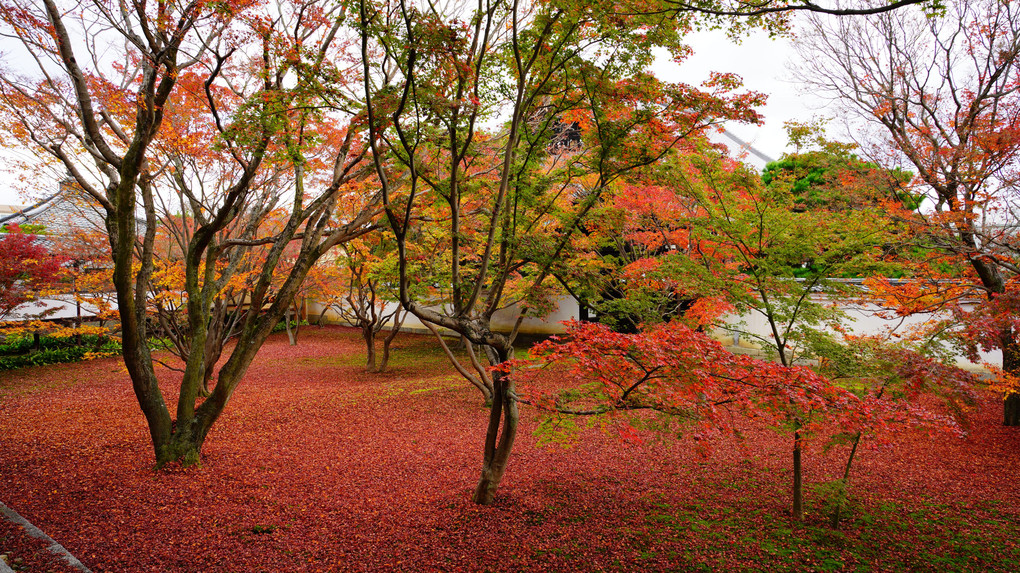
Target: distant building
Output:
[
  {"x": 10, "y": 210},
  {"x": 65, "y": 213},
  {"x": 71, "y": 223}
]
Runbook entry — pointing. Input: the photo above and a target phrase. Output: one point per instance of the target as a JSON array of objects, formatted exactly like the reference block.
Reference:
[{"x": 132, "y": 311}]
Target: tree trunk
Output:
[
  {"x": 184, "y": 445},
  {"x": 290, "y": 334},
  {"x": 798, "y": 494},
  {"x": 991, "y": 278},
  {"x": 1011, "y": 410},
  {"x": 385, "y": 358},
  {"x": 299, "y": 315},
  {"x": 214, "y": 340},
  {"x": 498, "y": 444},
  {"x": 398, "y": 321},
  {"x": 369, "y": 335},
  {"x": 1011, "y": 366}
]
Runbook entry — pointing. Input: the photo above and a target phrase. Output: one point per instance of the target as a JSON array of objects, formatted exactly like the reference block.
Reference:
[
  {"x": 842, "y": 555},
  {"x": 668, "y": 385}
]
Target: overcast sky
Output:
[
  {"x": 761, "y": 61},
  {"x": 763, "y": 64}
]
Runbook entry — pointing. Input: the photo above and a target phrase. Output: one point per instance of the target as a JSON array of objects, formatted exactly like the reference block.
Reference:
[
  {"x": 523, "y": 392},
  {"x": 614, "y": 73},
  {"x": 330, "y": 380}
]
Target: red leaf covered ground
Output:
[{"x": 317, "y": 466}]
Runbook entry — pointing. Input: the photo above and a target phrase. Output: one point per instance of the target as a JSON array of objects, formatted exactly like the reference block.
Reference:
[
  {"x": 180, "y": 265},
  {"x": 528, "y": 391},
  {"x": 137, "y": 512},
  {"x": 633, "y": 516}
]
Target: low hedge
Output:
[
  {"x": 282, "y": 325},
  {"x": 16, "y": 352}
]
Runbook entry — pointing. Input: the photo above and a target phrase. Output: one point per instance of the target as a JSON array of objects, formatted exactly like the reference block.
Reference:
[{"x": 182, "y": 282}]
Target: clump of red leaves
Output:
[
  {"x": 674, "y": 370},
  {"x": 318, "y": 466}
]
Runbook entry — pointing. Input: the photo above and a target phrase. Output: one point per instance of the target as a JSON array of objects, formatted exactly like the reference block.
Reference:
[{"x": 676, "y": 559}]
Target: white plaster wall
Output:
[
  {"x": 502, "y": 321},
  {"x": 862, "y": 320}
]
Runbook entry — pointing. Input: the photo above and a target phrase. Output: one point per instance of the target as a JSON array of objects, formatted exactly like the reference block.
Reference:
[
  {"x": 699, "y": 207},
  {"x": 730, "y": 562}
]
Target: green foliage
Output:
[
  {"x": 24, "y": 343},
  {"x": 160, "y": 343},
  {"x": 27, "y": 228},
  {"x": 282, "y": 325},
  {"x": 826, "y": 174},
  {"x": 17, "y": 352},
  {"x": 777, "y": 258},
  {"x": 16, "y": 345},
  {"x": 823, "y": 180}
]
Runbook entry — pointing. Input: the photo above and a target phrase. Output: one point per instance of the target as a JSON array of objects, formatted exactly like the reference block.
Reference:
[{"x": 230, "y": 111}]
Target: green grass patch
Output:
[{"x": 885, "y": 536}]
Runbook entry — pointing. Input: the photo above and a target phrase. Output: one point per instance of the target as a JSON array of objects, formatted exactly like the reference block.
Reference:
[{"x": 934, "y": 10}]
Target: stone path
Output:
[{"x": 33, "y": 531}]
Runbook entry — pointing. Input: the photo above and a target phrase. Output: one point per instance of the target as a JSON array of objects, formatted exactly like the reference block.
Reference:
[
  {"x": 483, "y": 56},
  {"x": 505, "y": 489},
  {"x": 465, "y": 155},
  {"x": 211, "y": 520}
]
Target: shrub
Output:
[{"x": 16, "y": 351}]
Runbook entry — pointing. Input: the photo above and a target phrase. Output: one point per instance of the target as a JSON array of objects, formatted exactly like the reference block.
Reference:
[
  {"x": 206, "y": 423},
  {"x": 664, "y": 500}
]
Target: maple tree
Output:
[
  {"x": 359, "y": 287},
  {"x": 943, "y": 94},
  {"x": 845, "y": 217},
  {"x": 577, "y": 108},
  {"x": 27, "y": 269},
  {"x": 204, "y": 106},
  {"x": 693, "y": 385},
  {"x": 700, "y": 236},
  {"x": 576, "y": 115},
  {"x": 705, "y": 237},
  {"x": 899, "y": 385}
]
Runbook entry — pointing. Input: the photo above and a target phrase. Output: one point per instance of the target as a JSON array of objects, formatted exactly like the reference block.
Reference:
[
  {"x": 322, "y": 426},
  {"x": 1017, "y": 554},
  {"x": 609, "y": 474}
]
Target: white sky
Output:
[
  {"x": 763, "y": 64},
  {"x": 8, "y": 195},
  {"x": 761, "y": 61}
]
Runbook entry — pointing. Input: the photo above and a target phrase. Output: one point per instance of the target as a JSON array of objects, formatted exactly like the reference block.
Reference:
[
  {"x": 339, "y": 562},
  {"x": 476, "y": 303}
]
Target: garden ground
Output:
[{"x": 318, "y": 466}]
